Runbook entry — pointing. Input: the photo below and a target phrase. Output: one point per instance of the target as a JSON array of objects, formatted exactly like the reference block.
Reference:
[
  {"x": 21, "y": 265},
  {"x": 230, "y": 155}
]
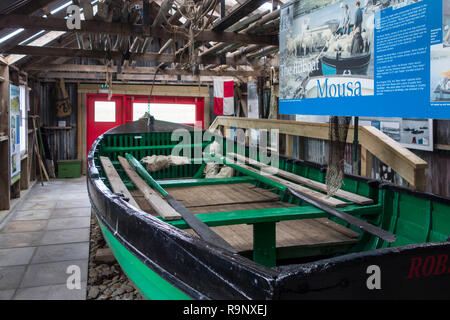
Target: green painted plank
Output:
[{"x": 215, "y": 219}]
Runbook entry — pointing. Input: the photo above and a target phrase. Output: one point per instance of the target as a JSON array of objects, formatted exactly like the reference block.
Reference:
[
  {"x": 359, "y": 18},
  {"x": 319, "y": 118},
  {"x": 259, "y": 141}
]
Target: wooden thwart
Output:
[
  {"x": 156, "y": 202},
  {"x": 305, "y": 181},
  {"x": 115, "y": 181}
]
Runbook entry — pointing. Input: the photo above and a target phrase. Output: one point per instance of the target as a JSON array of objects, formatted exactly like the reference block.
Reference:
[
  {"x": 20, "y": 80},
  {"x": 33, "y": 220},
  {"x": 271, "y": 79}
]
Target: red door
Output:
[{"x": 102, "y": 115}]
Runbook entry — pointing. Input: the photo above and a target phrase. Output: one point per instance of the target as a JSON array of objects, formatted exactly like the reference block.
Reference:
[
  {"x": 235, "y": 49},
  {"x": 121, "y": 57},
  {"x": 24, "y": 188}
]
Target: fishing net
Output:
[{"x": 338, "y": 137}]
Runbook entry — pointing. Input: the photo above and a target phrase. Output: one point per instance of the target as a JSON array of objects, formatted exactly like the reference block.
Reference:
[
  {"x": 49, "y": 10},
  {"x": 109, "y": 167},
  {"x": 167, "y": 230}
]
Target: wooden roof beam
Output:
[{"x": 66, "y": 68}]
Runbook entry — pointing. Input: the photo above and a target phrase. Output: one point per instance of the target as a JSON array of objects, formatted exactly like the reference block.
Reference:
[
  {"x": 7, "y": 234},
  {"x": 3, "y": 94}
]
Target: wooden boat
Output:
[{"x": 279, "y": 246}]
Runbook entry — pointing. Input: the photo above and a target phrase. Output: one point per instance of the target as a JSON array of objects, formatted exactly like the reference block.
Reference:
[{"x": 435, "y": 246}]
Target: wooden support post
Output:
[
  {"x": 301, "y": 148},
  {"x": 366, "y": 163},
  {"x": 420, "y": 179},
  {"x": 15, "y": 190},
  {"x": 264, "y": 243},
  {"x": 302, "y": 180},
  {"x": 227, "y": 132},
  {"x": 158, "y": 204}
]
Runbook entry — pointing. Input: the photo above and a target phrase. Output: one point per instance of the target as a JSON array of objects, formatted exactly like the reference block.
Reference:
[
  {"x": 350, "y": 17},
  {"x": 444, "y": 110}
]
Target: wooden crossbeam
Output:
[
  {"x": 115, "y": 181},
  {"x": 237, "y": 14},
  {"x": 53, "y": 24},
  {"x": 305, "y": 181}
]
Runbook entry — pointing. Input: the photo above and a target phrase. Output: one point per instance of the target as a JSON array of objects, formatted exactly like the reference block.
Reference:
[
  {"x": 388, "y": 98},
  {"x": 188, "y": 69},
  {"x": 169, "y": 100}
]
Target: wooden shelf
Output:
[{"x": 4, "y": 138}]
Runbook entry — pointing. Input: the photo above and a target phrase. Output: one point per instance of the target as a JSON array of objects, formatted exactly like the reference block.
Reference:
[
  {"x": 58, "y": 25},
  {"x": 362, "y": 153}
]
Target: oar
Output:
[{"x": 195, "y": 223}]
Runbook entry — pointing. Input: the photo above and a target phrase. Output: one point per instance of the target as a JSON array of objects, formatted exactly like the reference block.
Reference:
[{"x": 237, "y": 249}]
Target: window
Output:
[
  {"x": 178, "y": 113},
  {"x": 105, "y": 111}
]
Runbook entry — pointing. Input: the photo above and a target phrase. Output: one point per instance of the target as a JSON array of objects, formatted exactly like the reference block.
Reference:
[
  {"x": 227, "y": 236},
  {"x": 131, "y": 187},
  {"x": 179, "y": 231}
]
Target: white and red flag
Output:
[{"x": 223, "y": 97}]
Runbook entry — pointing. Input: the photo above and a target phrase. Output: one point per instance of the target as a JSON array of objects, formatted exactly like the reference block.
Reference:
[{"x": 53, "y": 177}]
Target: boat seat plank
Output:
[
  {"x": 156, "y": 202},
  {"x": 215, "y": 195},
  {"x": 116, "y": 182},
  {"x": 293, "y": 233},
  {"x": 356, "y": 198}
]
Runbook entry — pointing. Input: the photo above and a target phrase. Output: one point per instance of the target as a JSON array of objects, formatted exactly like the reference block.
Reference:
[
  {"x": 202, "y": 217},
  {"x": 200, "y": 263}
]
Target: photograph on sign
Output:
[{"x": 440, "y": 62}]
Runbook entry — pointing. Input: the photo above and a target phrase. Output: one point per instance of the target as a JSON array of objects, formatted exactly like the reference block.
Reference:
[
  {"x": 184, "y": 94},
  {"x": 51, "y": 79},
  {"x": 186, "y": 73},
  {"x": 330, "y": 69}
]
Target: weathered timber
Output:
[{"x": 115, "y": 181}]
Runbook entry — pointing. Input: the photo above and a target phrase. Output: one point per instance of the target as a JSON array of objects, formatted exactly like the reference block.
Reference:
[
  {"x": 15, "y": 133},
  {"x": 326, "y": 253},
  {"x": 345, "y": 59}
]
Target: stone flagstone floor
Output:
[{"x": 47, "y": 233}]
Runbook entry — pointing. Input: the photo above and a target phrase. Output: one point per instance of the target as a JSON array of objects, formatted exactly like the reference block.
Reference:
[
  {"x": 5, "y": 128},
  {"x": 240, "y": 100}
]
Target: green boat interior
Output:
[{"x": 265, "y": 223}]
